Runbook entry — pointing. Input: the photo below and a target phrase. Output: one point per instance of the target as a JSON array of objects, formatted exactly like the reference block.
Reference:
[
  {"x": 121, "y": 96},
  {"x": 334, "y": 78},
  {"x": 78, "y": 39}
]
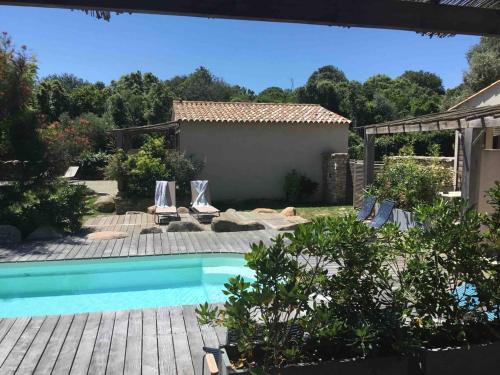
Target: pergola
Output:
[
  {"x": 169, "y": 129},
  {"x": 441, "y": 17},
  {"x": 472, "y": 123}
]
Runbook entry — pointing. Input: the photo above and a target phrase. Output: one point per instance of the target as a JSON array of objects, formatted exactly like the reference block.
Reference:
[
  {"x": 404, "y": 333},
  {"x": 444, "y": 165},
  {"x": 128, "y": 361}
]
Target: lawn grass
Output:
[{"x": 317, "y": 211}]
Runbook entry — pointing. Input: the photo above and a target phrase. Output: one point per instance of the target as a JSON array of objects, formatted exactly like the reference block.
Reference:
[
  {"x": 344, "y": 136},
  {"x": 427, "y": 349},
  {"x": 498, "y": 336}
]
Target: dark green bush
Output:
[
  {"x": 390, "y": 293},
  {"x": 92, "y": 165},
  {"x": 152, "y": 163},
  {"x": 54, "y": 203},
  {"x": 298, "y": 187},
  {"x": 410, "y": 183}
]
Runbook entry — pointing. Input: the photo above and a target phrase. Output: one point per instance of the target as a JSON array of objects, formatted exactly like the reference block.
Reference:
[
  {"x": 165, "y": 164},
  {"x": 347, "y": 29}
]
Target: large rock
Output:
[
  {"x": 151, "y": 210},
  {"x": 184, "y": 226},
  {"x": 151, "y": 230},
  {"x": 183, "y": 210},
  {"x": 45, "y": 232},
  {"x": 289, "y": 211},
  {"x": 229, "y": 222},
  {"x": 264, "y": 211},
  {"x": 9, "y": 235},
  {"x": 105, "y": 204},
  {"x": 107, "y": 235}
]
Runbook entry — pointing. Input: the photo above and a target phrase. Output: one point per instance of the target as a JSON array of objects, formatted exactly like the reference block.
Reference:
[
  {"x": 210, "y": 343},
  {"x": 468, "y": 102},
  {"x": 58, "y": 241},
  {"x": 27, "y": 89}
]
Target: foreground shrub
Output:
[
  {"x": 139, "y": 172},
  {"x": 409, "y": 183},
  {"x": 55, "y": 203},
  {"x": 298, "y": 187},
  {"x": 92, "y": 165},
  {"x": 387, "y": 292}
]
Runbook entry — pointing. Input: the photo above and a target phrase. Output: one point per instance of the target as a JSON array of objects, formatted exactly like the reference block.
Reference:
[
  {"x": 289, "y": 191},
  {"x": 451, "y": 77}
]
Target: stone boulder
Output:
[
  {"x": 45, "y": 232},
  {"x": 183, "y": 210},
  {"x": 9, "y": 235},
  {"x": 151, "y": 230},
  {"x": 151, "y": 210},
  {"x": 107, "y": 235},
  {"x": 264, "y": 211},
  {"x": 184, "y": 226},
  {"x": 105, "y": 204},
  {"x": 289, "y": 211},
  {"x": 230, "y": 222}
]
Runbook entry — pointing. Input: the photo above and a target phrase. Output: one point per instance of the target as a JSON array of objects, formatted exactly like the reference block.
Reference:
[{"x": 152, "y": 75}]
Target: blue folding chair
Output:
[
  {"x": 383, "y": 214},
  {"x": 367, "y": 207}
]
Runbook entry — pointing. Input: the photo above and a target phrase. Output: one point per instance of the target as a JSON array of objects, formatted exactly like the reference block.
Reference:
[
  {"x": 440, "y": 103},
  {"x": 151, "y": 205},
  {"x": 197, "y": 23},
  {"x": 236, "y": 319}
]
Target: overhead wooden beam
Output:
[
  {"x": 489, "y": 122},
  {"x": 390, "y": 14}
]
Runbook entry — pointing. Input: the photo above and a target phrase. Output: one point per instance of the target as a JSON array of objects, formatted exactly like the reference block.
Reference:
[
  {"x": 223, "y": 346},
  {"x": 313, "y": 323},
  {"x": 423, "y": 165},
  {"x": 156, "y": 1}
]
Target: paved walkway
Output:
[{"x": 102, "y": 187}]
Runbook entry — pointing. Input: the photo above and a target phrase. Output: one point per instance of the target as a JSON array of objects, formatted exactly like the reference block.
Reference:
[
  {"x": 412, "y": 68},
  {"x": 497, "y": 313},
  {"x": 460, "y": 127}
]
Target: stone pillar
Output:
[{"x": 335, "y": 174}]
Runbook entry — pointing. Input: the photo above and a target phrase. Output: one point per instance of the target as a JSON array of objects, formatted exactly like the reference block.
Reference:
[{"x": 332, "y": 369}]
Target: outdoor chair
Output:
[
  {"x": 71, "y": 172},
  {"x": 200, "y": 199},
  {"x": 367, "y": 207},
  {"x": 165, "y": 201},
  {"x": 383, "y": 214}
]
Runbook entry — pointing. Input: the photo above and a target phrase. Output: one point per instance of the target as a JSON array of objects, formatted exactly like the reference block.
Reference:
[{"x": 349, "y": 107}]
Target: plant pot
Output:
[{"x": 478, "y": 359}]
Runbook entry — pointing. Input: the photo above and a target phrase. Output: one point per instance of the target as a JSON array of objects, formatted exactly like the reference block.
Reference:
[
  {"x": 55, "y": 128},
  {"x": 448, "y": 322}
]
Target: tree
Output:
[
  {"x": 426, "y": 80},
  {"x": 52, "y": 99},
  {"x": 484, "y": 64},
  {"x": 276, "y": 95},
  {"x": 88, "y": 98},
  {"x": 19, "y": 123},
  {"x": 327, "y": 86}
]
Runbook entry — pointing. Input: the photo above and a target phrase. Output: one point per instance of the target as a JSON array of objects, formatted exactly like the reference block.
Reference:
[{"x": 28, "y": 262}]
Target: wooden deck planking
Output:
[
  {"x": 35, "y": 351},
  {"x": 133, "y": 354},
  {"x": 166, "y": 354},
  {"x": 116, "y": 356},
  {"x": 86, "y": 346},
  {"x": 49, "y": 356},
  {"x": 65, "y": 358},
  {"x": 163, "y": 341},
  {"x": 22, "y": 345},
  {"x": 99, "y": 359},
  {"x": 149, "y": 342}
]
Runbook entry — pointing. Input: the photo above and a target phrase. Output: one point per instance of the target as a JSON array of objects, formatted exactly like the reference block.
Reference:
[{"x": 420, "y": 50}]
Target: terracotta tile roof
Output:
[{"x": 194, "y": 111}]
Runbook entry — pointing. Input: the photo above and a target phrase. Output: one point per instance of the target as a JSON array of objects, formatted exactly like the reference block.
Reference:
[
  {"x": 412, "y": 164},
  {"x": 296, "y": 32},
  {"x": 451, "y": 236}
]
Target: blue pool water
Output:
[{"x": 64, "y": 287}]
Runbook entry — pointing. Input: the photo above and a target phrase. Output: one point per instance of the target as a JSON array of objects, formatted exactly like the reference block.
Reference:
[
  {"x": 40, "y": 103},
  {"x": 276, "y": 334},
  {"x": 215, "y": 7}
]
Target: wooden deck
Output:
[
  {"x": 137, "y": 245},
  {"x": 165, "y": 340},
  {"x": 148, "y": 342}
]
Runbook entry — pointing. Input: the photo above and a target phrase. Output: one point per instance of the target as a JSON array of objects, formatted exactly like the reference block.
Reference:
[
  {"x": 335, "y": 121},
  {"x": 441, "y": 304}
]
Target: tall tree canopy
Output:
[{"x": 484, "y": 69}]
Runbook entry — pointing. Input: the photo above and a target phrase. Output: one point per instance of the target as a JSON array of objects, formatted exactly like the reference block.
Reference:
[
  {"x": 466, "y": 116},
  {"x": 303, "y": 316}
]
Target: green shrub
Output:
[
  {"x": 139, "y": 172},
  {"x": 92, "y": 165},
  {"x": 298, "y": 187},
  {"x": 390, "y": 293},
  {"x": 54, "y": 203},
  {"x": 410, "y": 183}
]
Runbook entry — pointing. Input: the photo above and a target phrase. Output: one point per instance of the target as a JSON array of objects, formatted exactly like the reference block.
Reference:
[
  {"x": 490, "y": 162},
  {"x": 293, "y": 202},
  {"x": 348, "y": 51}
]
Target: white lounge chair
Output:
[
  {"x": 165, "y": 200},
  {"x": 200, "y": 199},
  {"x": 71, "y": 172}
]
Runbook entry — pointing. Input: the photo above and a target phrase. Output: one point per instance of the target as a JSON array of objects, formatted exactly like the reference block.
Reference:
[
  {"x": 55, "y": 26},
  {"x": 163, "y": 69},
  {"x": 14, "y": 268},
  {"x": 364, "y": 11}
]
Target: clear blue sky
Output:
[{"x": 254, "y": 54}]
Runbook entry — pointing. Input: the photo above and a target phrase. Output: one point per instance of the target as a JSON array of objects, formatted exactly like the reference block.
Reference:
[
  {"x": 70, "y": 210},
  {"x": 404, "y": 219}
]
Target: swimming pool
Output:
[{"x": 75, "y": 286}]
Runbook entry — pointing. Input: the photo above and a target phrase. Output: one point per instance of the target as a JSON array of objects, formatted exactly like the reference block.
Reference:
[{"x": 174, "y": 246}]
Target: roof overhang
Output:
[
  {"x": 483, "y": 117},
  {"x": 432, "y": 16}
]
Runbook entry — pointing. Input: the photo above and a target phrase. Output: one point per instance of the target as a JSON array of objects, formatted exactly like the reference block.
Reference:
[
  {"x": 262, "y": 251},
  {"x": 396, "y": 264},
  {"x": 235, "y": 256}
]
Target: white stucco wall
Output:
[
  {"x": 487, "y": 97},
  {"x": 249, "y": 161}
]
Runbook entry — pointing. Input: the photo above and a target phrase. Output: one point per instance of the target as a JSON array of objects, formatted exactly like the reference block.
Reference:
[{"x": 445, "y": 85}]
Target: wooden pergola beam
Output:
[{"x": 389, "y": 14}]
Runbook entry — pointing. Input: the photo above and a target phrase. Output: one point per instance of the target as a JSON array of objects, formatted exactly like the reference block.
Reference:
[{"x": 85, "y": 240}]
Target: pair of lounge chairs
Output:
[
  {"x": 166, "y": 203},
  {"x": 383, "y": 214}
]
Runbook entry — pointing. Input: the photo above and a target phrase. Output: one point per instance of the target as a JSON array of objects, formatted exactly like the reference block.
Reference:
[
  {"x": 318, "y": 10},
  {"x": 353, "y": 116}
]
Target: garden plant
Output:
[{"x": 337, "y": 289}]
